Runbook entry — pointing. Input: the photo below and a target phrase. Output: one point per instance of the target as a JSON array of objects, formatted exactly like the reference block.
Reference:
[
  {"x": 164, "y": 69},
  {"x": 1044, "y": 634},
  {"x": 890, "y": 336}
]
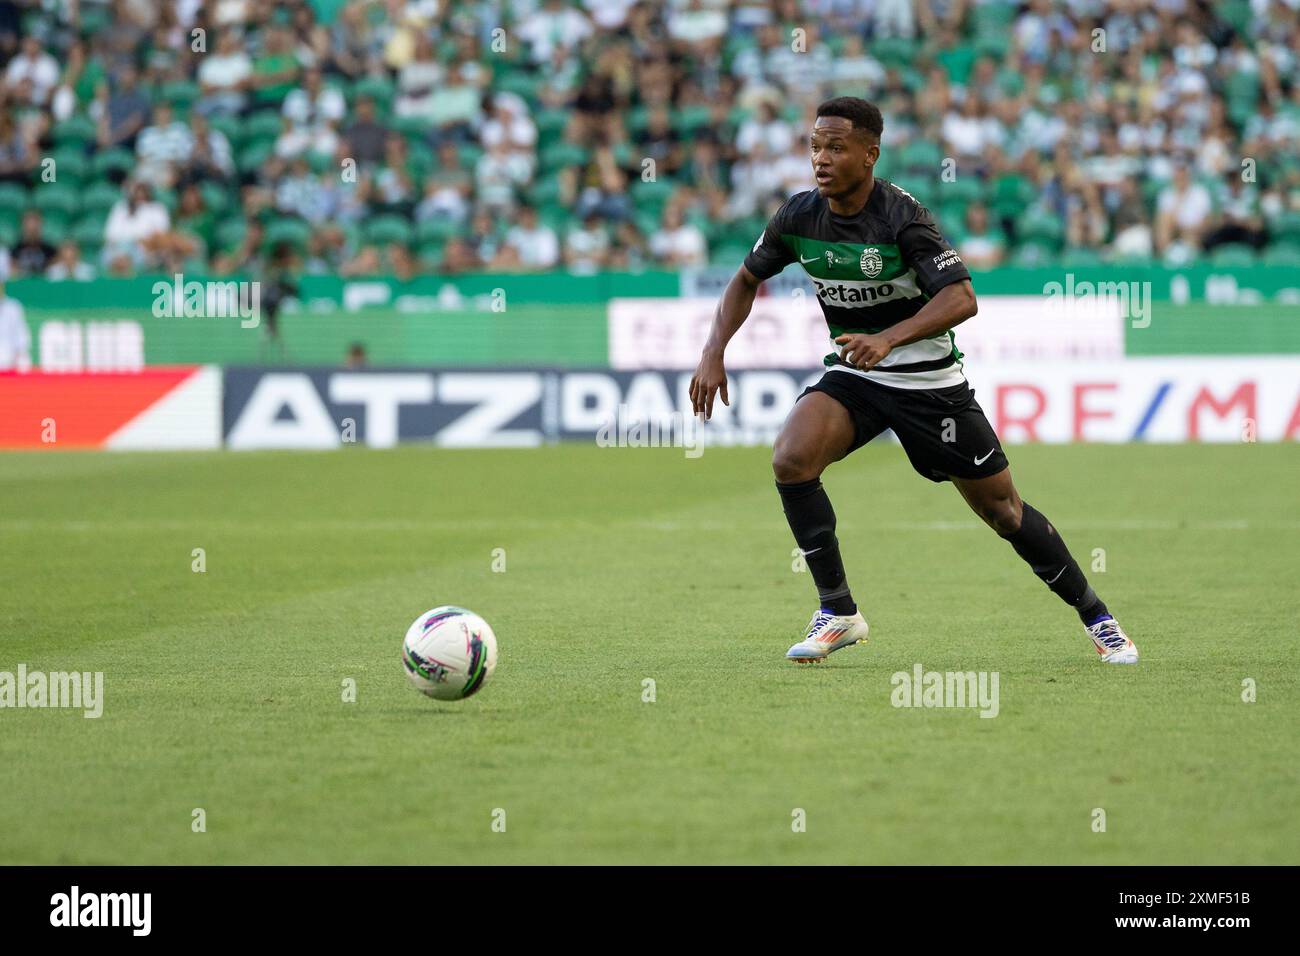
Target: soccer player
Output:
[{"x": 892, "y": 289}]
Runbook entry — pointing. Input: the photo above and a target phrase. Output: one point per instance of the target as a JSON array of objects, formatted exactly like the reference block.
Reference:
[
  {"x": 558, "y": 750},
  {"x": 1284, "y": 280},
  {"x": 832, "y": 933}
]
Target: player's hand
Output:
[
  {"x": 710, "y": 377},
  {"x": 862, "y": 350}
]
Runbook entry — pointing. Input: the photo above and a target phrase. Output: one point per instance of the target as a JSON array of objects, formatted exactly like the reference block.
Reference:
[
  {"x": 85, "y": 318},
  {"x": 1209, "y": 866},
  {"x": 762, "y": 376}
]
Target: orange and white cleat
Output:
[
  {"x": 828, "y": 632},
  {"x": 1111, "y": 642}
]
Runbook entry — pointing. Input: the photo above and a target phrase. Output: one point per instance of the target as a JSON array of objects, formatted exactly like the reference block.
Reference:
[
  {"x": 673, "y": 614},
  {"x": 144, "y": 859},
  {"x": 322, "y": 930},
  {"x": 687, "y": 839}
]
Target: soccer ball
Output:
[{"x": 449, "y": 652}]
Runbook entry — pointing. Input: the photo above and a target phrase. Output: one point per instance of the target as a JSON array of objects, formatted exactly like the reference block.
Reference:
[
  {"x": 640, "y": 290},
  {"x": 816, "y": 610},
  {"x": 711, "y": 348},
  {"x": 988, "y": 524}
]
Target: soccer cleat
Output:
[
  {"x": 1111, "y": 642},
  {"x": 828, "y": 632}
]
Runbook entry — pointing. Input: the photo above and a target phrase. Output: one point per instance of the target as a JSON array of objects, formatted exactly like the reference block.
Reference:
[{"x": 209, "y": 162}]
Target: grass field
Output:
[{"x": 223, "y": 688}]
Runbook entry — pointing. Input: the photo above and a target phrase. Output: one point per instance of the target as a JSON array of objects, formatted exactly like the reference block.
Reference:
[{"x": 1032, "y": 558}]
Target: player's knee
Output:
[
  {"x": 791, "y": 465},
  {"x": 1002, "y": 515}
]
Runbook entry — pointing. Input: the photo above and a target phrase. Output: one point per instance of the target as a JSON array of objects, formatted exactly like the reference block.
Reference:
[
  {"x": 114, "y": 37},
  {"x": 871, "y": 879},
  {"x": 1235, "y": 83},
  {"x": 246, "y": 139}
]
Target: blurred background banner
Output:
[
  {"x": 570, "y": 184},
  {"x": 1156, "y": 400}
]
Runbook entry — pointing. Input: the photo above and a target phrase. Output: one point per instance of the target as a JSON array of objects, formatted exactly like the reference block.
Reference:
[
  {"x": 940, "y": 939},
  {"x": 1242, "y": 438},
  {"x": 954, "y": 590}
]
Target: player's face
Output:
[{"x": 841, "y": 157}]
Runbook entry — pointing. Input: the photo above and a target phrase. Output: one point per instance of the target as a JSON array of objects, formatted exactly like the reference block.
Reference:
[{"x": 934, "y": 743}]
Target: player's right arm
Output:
[
  {"x": 768, "y": 257},
  {"x": 733, "y": 309}
]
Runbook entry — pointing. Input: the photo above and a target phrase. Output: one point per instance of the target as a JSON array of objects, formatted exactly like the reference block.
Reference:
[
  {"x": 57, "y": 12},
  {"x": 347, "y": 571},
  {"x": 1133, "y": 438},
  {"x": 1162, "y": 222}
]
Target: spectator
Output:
[
  {"x": 586, "y": 248},
  {"x": 529, "y": 245},
  {"x": 366, "y": 135},
  {"x": 123, "y": 110},
  {"x": 979, "y": 246},
  {"x": 678, "y": 243},
  {"x": 15, "y": 337},
  {"x": 33, "y": 253},
  {"x": 135, "y": 226},
  {"x": 162, "y": 146},
  {"x": 69, "y": 266},
  {"x": 1182, "y": 213},
  {"x": 356, "y": 357},
  {"x": 224, "y": 77},
  {"x": 31, "y": 76},
  {"x": 555, "y": 24},
  {"x": 17, "y": 155}
]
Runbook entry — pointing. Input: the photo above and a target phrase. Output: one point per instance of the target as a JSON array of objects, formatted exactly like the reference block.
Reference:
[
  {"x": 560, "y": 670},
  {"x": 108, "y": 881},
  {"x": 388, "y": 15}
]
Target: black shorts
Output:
[{"x": 943, "y": 430}]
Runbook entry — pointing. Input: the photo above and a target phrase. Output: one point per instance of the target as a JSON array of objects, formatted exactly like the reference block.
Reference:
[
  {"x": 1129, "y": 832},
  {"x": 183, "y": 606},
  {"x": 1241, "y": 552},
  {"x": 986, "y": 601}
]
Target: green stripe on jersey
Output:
[{"x": 847, "y": 260}]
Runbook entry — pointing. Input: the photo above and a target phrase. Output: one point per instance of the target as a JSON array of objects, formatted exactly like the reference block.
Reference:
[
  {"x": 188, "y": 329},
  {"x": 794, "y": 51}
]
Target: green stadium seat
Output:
[
  {"x": 728, "y": 254},
  {"x": 650, "y": 194},
  {"x": 261, "y": 126},
  {"x": 546, "y": 189},
  {"x": 438, "y": 229},
  {"x": 9, "y": 233},
  {"x": 296, "y": 232},
  {"x": 469, "y": 156},
  {"x": 99, "y": 198},
  {"x": 383, "y": 230},
  {"x": 690, "y": 119},
  {"x": 559, "y": 155},
  {"x": 71, "y": 166},
  {"x": 1287, "y": 228},
  {"x": 965, "y": 189},
  {"x": 115, "y": 160},
  {"x": 88, "y": 233},
  {"x": 378, "y": 88},
  {"x": 228, "y": 126},
  {"x": 921, "y": 155},
  {"x": 56, "y": 230},
  {"x": 1039, "y": 227},
  {"x": 994, "y": 17},
  {"x": 13, "y": 200},
  {"x": 230, "y": 233},
  {"x": 894, "y": 51},
  {"x": 637, "y": 121},
  {"x": 430, "y": 255},
  {"x": 167, "y": 197},
  {"x": 1232, "y": 254},
  {"x": 550, "y": 123},
  {"x": 1079, "y": 258},
  {"x": 414, "y": 128},
  {"x": 254, "y": 156},
  {"x": 215, "y": 197},
  {"x": 181, "y": 94},
  {"x": 76, "y": 130},
  {"x": 1285, "y": 254},
  {"x": 56, "y": 199},
  {"x": 1033, "y": 255},
  {"x": 521, "y": 83}
]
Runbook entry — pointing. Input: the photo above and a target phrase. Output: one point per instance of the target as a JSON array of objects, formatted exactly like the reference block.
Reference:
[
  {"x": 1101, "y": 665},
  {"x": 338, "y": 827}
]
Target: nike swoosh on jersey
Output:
[
  {"x": 980, "y": 461},
  {"x": 804, "y": 261}
]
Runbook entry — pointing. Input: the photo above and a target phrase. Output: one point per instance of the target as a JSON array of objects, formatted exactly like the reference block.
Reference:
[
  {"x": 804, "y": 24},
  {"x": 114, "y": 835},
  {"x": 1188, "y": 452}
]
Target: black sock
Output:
[
  {"x": 812, "y": 519},
  {"x": 1045, "y": 551}
]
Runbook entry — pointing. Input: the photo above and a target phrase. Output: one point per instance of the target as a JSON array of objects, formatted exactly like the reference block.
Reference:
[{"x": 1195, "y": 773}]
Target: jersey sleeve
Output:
[
  {"x": 770, "y": 254},
  {"x": 925, "y": 249}
]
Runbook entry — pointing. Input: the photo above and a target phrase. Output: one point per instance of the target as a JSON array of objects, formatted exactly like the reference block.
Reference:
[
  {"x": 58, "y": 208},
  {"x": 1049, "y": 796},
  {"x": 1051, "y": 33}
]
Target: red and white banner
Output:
[
  {"x": 155, "y": 408},
  {"x": 1142, "y": 399},
  {"x": 790, "y": 332}
]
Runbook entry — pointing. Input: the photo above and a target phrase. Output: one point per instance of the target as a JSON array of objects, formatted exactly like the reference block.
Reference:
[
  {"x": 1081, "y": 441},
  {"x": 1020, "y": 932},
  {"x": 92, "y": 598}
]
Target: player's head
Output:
[{"x": 845, "y": 144}]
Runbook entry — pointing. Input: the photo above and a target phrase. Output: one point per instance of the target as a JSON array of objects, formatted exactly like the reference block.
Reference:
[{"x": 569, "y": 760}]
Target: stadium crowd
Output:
[{"x": 359, "y": 137}]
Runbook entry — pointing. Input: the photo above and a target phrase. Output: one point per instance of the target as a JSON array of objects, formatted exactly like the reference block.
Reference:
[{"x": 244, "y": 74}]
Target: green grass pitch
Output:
[{"x": 223, "y": 689}]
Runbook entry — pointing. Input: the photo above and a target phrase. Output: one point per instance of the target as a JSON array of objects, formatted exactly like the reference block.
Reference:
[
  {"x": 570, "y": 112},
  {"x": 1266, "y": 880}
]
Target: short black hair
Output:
[{"x": 859, "y": 112}]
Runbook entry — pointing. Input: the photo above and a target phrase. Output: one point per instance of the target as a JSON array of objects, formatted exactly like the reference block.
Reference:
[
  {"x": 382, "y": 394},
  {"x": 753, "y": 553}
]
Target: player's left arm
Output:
[{"x": 940, "y": 274}]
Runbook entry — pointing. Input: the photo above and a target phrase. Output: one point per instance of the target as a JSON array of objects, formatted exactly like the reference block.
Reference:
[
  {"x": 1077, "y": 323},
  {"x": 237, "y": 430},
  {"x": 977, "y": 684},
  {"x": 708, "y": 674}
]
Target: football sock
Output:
[
  {"x": 812, "y": 519},
  {"x": 1045, "y": 552}
]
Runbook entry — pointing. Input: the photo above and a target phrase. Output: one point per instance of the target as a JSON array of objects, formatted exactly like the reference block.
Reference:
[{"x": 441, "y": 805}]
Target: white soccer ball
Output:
[{"x": 449, "y": 652}]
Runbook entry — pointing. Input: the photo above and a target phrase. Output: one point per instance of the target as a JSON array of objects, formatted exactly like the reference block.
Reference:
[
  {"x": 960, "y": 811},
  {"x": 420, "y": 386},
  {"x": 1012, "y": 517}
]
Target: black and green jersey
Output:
[{"x": 870, "y": 271}]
